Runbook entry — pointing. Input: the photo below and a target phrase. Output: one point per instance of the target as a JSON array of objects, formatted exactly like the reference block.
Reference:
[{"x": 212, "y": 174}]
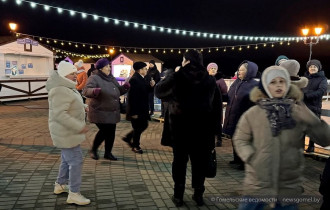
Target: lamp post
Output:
[{"x": 311, "y": 40}]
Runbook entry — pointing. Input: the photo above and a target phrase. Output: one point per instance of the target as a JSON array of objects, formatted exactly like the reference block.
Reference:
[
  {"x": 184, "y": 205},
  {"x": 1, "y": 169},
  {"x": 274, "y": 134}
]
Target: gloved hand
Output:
[
  {"x": 96, "y": 91},
  {"x": 126, "y": 85}
]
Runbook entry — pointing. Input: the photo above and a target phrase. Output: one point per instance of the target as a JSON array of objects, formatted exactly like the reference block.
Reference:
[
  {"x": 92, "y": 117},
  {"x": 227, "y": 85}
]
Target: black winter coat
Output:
[
  {"x": 194, "y": 106},
  {"x": 313, "y": 93},
  {"x": 154, "y": 74},
  {"x": 238, "y": 100},
  {"x": 137, "y": 97}
]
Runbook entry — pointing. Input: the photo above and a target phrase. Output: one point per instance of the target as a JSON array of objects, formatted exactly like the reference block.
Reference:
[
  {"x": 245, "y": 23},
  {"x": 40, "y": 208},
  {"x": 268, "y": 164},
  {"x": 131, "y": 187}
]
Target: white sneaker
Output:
[
  {"x": 77, "y": 198},
  {"x": 58, "y": 189}
]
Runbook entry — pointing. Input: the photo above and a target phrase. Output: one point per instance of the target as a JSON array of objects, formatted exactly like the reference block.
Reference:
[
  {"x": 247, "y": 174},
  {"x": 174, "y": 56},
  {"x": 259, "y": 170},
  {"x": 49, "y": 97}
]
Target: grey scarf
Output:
[{"x": 278, "y": 114}]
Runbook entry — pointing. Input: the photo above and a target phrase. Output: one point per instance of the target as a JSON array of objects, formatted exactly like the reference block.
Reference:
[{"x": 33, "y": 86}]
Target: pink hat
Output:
[{"x": 212, "y": 65}]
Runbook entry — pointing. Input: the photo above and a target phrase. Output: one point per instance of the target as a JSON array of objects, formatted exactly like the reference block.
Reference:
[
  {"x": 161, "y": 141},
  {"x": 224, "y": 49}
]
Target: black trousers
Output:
[
  {"x": 151, "y": 103},
  {"x": 198, "y": 159},
  {"x": 139, "y": 125},
  {"x": 106, "y": 133}
]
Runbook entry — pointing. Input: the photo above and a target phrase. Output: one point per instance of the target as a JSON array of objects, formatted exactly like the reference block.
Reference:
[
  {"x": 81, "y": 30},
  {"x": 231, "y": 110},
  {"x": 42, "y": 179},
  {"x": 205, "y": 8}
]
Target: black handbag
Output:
[{"x": 211, "y": 167}]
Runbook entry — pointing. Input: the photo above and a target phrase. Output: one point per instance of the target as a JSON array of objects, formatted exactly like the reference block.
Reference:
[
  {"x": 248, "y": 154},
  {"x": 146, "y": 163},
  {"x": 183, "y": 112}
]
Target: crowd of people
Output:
[{"x": 266, "y": 119}]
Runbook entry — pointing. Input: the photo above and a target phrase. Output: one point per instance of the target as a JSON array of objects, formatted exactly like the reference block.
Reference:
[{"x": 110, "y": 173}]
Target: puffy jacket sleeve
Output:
[
  {"x": 61, "y": 100},
  {"x": 317, "y": 129},
  {"x": 322, "y": 89},
  {"x": 164, "y": 88},
  {"x": 90, "y": 85},
  {"x": 242, "y": 139},
  {"x": 83, "y": 81}
]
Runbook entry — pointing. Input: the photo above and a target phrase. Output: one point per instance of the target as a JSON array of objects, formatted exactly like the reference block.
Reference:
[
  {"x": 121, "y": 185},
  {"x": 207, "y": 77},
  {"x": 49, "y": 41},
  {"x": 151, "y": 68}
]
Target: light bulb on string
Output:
[
  {"x": 171, "y": 50},
  {"x": 272, "y": 45},
  {"x": 70, "y": 43},
  {"x": 164, "y": 51},
  {"x": 217, "y": 49},
  {"x": 179, "y": 51},
  {"x": 134, "y": 50},
  {"x": 224, "y": 49},
  {"x": 91, "y": 47},
  {"x": 288, "y": 43},
  {"x": 98, "y": 46},
  {"x": 149, "y": 51},
  {"x": 156, "y": 50},
  {"x": 248, "y": 47},
  {"x": 142, "y": 50},
  {"x": 265, "y": 45},
  {"x": 233, "y": 48},
  {"x": 83, "y": 45},
  {"x": 256, "y": 47},
  {"x": 240, "y": 48},
  {"x": 62, "y": 43},
  {"x": 76, "y": 45},
  {"x": 40, "y": 39}
]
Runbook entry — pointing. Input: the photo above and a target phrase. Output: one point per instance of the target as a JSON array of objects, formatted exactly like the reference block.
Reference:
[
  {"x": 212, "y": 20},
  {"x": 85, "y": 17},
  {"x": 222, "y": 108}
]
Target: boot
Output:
[
  {"x": 198, "y": 196},
  {"x": 77, "y": 198},
  {"x": 58, "y": 188},
  {"x": 93, "y": 154},
  {"x": 110, "y": 156},
  {"x": 177, "y": 198}
]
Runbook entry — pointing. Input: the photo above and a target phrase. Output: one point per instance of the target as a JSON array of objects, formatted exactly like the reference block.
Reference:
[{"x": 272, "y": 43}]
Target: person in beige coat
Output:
[
  {"x": 67, "y": 129},
  {"x": 268, "y": 138}
]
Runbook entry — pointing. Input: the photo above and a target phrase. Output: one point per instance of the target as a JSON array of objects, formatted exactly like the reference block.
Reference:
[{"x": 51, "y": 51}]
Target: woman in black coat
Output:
[
  {"x": 238, "y": 100},
  {"x": 194, "y": 115},
  {"x": 313, "y": 93},
  {"x": 137, "y": 110}
]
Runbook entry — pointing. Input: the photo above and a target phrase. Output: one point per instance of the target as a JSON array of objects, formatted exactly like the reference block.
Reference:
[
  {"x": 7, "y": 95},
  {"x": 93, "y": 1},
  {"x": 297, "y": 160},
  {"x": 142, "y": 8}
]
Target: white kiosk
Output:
[{"x": 25, "y": 66}]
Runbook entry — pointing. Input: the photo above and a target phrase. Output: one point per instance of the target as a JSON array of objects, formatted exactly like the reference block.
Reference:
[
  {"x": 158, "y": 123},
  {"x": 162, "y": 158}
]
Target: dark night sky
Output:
[{"x": 239, "y": 17}]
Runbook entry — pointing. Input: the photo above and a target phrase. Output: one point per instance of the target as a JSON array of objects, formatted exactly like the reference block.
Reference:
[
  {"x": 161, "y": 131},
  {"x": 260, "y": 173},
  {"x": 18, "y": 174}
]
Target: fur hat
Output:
[
  {"x": 102, "y": 62},
  {"x": 317, "y": 63},
  {"x": 269, "y": 74},
  {"x": 292, "y": 66},
  {"x": 279, "y": 58},
  {"x": 138, "y": 65},
  {"x": 153, "y": 62},
  {"x": 212, "y": 65},
  {"x": 195, "y": 57},
  {"x": 64, "y": 68}
]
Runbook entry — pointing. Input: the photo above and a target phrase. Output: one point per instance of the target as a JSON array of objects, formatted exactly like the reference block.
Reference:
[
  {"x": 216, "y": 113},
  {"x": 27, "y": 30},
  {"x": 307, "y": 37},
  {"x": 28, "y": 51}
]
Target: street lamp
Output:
[
  {"x": 111, "y": 51},
  {"x": 12, "y": 27},
  {"x": 312, "y": 40}
]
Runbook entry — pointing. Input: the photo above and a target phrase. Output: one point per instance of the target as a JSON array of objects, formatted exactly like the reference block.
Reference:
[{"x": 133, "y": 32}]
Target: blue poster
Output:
[
  {"x": 21, "y": 71},
  {"x": 23, "y": 66},
  {"x": 7, "y": 64},
  {"x": 30, "y": 65}
]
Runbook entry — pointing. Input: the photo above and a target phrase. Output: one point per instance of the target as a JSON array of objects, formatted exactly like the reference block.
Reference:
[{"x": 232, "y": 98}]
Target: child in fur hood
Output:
[{"x": 269, "y": 136}]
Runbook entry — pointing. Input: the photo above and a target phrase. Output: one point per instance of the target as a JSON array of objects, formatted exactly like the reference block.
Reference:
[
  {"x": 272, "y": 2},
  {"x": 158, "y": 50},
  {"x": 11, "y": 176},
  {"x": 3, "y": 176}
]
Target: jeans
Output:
[
  {"x": 260, "y": 206},
  {"x": 70, "y": 168}
]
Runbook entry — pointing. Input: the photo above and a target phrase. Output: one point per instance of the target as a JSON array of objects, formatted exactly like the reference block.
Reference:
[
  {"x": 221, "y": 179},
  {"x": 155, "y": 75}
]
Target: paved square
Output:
[{"x": 29, "y": 164}]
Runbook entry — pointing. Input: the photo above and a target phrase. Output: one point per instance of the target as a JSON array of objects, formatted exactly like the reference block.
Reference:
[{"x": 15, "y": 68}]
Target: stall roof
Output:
[
  {"x": 7, "y": 39},
  {"x": 140, "y": 57}
]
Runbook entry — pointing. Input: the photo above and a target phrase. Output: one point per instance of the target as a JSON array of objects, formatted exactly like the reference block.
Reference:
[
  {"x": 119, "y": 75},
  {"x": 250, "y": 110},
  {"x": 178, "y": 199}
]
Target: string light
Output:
[
  {"x": 169, "y": 30},
  {"x": 63, "y": 42}
]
